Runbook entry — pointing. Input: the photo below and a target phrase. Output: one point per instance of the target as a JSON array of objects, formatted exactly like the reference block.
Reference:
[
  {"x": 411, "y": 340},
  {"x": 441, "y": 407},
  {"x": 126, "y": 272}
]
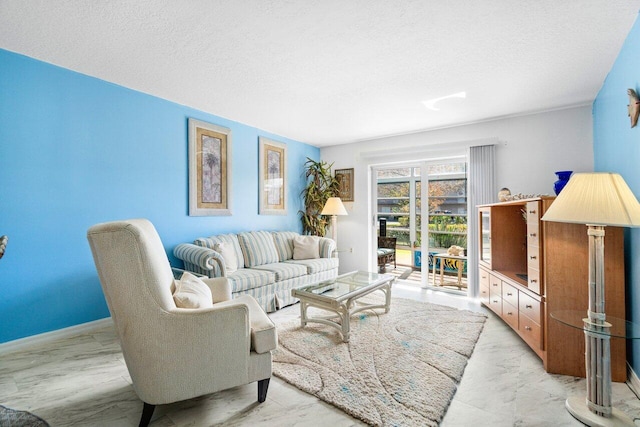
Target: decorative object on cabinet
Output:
[
  {"x": 3, "y": 244},
  {"x": 597, "y": 200},
  {"x": 563, "y": 178},
  {"x": 503, "y": 194},
  {"x": 345, "y": 181},
  {"x": 272, "y": 177},
  {"x": 529, "y": 269},
  {"x": 209, "y": 169},
  {"x": 520, "y": 196},
  {"x": 634, "y": 107}
]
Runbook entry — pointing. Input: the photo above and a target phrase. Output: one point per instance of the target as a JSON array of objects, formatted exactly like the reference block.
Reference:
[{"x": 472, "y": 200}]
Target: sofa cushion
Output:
[
  {"x": 229, "y": 254},
  {"x": 232, "y": 239},
  {"x": 316, "y": 265},
  {"x": 249, "y": 278},
  {"x": 192, "y": 292},
  {"x": 284, "y": 243},
  {"x": 283, "y": 270},
  {"x": 258, "y": 248},
  {"x": 306, "y": 247}
]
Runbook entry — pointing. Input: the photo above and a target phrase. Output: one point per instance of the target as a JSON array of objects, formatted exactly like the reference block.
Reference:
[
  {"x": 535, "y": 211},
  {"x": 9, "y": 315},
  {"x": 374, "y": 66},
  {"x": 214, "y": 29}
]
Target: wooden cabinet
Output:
[{"x": 530, "y": 268}]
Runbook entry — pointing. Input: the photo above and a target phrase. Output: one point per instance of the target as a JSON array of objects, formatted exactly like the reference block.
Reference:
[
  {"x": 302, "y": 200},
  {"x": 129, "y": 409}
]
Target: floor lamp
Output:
[
  {"x": 596, "y": 200},
  {"x": 334, "y": 207}
]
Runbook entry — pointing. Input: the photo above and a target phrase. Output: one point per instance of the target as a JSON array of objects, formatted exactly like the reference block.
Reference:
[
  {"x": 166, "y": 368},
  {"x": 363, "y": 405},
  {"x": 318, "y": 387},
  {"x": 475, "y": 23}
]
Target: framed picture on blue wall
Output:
[
  {"x": 209, "y": 169},
  {"x": 273, "y": 178}
]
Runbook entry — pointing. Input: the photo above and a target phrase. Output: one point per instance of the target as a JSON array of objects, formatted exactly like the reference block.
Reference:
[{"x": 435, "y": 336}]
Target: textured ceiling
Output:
[{"x": 334, "y": 71}]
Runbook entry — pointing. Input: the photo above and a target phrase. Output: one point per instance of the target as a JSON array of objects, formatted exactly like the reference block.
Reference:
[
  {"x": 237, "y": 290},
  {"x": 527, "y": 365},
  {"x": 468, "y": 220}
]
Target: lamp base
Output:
[{"x": 577, "y": 406}]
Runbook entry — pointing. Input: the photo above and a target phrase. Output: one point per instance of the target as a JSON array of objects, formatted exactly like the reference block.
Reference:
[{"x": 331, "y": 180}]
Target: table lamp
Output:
[
  {"x": 334, "y": 207},
  {"x": 596, "y": 200}
]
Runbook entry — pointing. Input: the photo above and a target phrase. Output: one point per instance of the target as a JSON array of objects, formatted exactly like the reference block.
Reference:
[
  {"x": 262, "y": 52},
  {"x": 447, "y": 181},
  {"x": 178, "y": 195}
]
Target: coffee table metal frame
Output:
[{"x": 341, "y": 297}]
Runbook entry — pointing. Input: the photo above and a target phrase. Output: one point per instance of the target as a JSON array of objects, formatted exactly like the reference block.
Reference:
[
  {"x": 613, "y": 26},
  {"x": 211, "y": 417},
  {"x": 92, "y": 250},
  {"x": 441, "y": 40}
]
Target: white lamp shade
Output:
[
  {"x": 596, "y": 199},
  {"x": 334, "y": 206}
]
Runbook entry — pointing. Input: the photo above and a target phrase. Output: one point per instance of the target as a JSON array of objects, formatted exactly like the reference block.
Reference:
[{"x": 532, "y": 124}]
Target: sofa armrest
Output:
[
  {"x": 201, "y": 260},
  {"x": 327, "y": 247}
]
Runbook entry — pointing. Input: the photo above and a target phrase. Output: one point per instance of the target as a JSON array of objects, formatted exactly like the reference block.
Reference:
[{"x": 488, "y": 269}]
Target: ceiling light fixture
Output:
[{"x": 430, "y": 104}]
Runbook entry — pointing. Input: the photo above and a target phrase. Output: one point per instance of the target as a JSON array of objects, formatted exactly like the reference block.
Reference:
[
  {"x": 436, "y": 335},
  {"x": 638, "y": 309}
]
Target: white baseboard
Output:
[
  {"x": 40, "y": 339},
  {"x": 633, "y": 381}
]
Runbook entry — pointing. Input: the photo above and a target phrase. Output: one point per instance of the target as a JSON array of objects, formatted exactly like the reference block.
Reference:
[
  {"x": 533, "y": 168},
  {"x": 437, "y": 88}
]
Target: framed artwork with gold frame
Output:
[
  {"x": 209, "y": 169},
  {"x": 345, "y": 180},
  {"x": 273, "y": 177}
]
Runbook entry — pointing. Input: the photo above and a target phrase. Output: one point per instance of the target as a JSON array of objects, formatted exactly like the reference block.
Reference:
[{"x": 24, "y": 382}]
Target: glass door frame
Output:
[{"x": 424, "y": 206}]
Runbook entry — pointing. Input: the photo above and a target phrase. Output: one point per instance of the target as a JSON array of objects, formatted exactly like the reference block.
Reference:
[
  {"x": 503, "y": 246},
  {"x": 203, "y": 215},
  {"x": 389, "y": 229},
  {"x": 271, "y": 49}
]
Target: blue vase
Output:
[{"x": 563, "y": 178}]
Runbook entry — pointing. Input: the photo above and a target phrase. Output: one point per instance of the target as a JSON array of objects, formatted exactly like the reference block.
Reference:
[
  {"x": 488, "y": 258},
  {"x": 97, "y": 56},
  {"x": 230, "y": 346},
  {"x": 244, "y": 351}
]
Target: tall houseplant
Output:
[{"x": 320, "y": 186}]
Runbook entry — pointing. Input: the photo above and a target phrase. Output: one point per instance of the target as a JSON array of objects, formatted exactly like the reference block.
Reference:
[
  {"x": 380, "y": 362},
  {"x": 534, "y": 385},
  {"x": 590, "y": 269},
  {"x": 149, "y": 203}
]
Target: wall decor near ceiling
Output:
[
  {"x": 273, "y": 177},
  {"x": 633, "y": 107},
  {"x": 345, "y": 181},
  {"x": 209, "y": 169}
]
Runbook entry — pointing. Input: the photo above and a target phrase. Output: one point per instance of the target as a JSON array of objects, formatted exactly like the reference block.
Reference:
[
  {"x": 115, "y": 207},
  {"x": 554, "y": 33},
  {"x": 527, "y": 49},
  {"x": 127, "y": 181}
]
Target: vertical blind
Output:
[{"x": 482, "y": 189}]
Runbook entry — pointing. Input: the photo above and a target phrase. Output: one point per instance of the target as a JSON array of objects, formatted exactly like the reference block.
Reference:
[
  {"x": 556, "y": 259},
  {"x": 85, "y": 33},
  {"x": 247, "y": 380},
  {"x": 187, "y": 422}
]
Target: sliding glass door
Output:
[{"x": 400, "y": 193}]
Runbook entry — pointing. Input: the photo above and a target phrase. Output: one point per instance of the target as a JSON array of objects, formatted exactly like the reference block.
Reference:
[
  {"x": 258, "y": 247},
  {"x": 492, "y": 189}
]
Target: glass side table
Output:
[{"x": 597, "y": 336}]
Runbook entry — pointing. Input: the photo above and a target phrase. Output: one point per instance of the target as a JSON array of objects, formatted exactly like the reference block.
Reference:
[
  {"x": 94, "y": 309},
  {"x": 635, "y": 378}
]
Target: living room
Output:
[{"x": 78, "y": 149}]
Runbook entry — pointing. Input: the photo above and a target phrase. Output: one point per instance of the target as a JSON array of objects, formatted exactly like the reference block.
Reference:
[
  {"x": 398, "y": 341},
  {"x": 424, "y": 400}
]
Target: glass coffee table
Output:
[{"x": 340, "y": 296}]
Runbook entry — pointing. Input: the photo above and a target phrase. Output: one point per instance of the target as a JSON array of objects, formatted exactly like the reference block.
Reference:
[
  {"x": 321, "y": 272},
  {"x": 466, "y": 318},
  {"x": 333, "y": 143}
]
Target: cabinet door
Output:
[
  {"x": 484, "y": 286},
  {"x": 485, "y": 236}
]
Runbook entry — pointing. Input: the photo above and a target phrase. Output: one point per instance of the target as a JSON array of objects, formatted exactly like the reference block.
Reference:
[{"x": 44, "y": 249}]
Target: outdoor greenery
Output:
[{"x": 320, "y": 186}]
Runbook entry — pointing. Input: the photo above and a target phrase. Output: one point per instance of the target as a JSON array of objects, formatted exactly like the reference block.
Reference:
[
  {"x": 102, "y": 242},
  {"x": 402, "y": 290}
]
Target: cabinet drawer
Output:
[
  {"x": 534, "y": 280},
  {"x": 510, "y": 314},
  {"x": 509, "y": 294},
  {"x": 484, "y": 278},
  {"x": 533, "y": 233},
  {"x": 484, "y": 294},
  {"x": 533, "y": 257},
  {"x": 533, "y": 212},
  {"x": 495, "y": 286},
  {"x": 530, "y": 307},
  {"x": 530, "y": 331},
  {"x": 495, "y": 304}
]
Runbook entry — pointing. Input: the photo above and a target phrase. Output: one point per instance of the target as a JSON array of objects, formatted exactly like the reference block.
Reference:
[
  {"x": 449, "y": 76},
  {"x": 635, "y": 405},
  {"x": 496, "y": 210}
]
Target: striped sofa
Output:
[{"x": 266, "y": 268}]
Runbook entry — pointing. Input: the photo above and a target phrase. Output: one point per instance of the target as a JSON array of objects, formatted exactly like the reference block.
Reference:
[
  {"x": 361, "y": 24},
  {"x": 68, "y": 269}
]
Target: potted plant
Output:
[{"x": 320, "y": 186}]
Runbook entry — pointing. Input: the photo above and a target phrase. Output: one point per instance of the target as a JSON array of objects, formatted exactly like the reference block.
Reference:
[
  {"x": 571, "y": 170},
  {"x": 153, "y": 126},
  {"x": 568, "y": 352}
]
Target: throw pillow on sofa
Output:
[
  {"x": 229, "y": 255},
  {"x": 192, "y": 292},
  {"x": 258, "y": 248},
  {"x": 306, "y": 247}
]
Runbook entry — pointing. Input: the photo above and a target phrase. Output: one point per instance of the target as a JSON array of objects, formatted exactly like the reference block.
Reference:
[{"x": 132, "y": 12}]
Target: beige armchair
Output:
[{"x": 172, "y": 353}]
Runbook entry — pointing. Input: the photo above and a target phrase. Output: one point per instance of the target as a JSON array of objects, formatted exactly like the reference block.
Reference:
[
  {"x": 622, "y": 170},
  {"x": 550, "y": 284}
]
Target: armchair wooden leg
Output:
[
  {"x": 147, "y": 412},
  {"x": 263, "y": 386}
]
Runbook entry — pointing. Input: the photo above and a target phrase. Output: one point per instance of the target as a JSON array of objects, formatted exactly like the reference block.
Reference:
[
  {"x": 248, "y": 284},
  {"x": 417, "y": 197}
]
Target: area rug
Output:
[
  {"x": 399, "y": 369},
  {"x": 13, "y": 418}
]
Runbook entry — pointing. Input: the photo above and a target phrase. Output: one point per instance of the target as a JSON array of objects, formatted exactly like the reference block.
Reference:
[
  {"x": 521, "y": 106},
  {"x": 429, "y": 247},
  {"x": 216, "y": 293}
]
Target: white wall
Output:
[{"x": 529, "y": 150}]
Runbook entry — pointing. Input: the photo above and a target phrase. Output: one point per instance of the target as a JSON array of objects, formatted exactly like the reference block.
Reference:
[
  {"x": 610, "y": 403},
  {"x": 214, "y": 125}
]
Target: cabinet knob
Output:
[
  {"x": 528, "y": 306},
  {"x": 532, "y": 257},
  {"x": 527, "y": 328},
  {"x": 534, "y": 281},
  {"x": 532, "y": 234},
  {"x": 494, "y": 284},
  {"x": 509, "y": 313},
  {"x": 495, "y": 301},
  {"x": 532, "y": 212},
  {"x": 509, "y": 294}
]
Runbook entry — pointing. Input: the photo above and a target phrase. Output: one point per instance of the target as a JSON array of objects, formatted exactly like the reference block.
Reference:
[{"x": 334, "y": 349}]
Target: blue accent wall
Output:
[
  {"x": 75, "y": 151},
  {"x": 617, "y": 149}
]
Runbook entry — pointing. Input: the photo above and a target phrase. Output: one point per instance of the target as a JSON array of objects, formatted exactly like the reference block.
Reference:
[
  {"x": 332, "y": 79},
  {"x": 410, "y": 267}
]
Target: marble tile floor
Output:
[{"x": 82, "y": 381}]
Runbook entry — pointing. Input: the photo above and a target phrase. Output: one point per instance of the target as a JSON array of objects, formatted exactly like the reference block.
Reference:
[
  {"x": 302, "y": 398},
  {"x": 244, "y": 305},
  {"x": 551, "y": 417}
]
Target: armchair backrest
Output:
[
  {"x": 133, "y": 268},
  {"x": 387, "y": 242}
]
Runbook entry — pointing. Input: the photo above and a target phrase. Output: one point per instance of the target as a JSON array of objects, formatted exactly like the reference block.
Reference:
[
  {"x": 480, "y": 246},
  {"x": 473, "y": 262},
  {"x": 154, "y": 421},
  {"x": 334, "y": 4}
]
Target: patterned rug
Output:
[
  {"x": 399, "y": 369},
  {"x": 12, "y": 418}
]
